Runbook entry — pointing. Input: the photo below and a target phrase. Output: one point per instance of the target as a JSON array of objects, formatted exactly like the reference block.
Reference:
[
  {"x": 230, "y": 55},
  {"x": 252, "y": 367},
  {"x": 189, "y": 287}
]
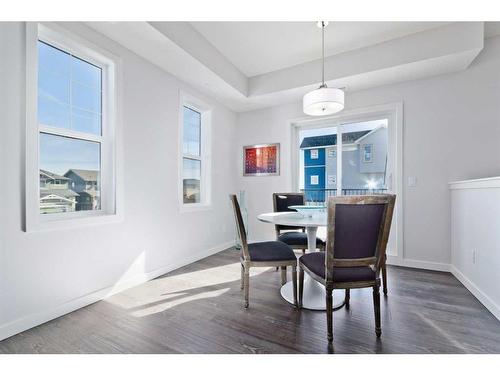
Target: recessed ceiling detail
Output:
[
  {"x": 257, "y": 48},
  {"x": 250, "y": 65}
]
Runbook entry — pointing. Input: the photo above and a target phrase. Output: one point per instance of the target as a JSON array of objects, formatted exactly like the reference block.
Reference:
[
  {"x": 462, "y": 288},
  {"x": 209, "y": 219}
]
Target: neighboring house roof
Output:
[
  {"x": 64, "y": 193},
  {"x": 53, "y": 176},
  {"x": 85, "y": 174},
  {"x": 370, "y": 133},
  {"x": 331, "y": 139},
  {"x": 52, "y": 196},
  {"x": 319, "y": 141}
]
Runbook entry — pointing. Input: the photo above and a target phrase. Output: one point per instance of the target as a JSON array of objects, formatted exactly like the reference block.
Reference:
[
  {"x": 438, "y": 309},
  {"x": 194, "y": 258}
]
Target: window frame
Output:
[
  {"x": 394, "y": 113},
  {"x": 205, "y": 158},
  {"x": 111, "y": 203}
]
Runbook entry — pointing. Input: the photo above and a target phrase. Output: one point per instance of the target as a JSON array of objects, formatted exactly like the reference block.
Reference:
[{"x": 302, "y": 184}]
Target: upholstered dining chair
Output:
[
  {"x": 357, "y": 234},
  {"x": 295, "y": 237},
  {"x": 263, "y": 254}
]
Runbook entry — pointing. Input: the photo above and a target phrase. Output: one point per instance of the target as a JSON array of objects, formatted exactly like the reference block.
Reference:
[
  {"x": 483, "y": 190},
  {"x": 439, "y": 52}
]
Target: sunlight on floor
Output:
[
  {"x": 159, "y": 307},
  {"x": 442, "y": 332},
  {"x": 169, "y": 291}
]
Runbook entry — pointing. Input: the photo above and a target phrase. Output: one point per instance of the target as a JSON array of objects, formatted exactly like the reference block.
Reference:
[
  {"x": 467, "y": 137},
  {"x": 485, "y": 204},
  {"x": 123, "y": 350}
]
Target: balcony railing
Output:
[{"x": 321, "y": 195}]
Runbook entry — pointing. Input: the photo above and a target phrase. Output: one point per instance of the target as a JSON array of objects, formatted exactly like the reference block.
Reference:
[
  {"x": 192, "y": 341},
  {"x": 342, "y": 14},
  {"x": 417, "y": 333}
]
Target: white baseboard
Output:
[
  {"x": 396, "y": 261},
  {"x": 33, "y": 320},
  {"x": 412, "y": 263},
  {"x": 473, "y": 288}
]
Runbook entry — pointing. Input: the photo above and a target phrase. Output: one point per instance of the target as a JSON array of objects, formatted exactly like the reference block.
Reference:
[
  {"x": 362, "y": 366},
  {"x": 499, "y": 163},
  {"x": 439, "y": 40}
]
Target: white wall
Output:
[
  {"x": 475, "y": 239},
  {"x": 451, "y": 132},
  {"x": 45, "y": 274}
]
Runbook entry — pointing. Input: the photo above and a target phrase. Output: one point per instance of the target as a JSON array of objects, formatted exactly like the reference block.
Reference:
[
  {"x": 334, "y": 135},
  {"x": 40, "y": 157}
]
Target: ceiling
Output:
[
  {"x": 261, "y": 47},
  {"x": 251, "y": 65}
]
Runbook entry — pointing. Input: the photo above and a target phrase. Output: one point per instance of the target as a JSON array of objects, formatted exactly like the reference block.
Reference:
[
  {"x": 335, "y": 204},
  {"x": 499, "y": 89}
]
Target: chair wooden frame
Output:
[
  {"x": 277, "y": 227},
  {"x": 247, "y": 263},
  {"x": 377, "y": 262}
]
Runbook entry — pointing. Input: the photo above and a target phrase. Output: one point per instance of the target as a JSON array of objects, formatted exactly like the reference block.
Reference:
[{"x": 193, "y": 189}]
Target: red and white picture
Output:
[{"x": 261, "y": 160}]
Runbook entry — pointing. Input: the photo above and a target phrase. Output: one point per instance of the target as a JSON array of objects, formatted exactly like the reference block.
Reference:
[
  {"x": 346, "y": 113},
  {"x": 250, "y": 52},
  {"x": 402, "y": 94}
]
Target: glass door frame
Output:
[{"x": 394, "y": 114}]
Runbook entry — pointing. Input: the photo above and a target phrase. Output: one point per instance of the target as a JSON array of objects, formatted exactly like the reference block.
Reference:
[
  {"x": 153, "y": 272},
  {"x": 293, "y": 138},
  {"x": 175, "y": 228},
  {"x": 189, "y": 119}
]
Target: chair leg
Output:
[
  {"x": 384, "y": 278},
  {"x": 303, "y": 251},
  {"x": 294, "y": 280},
  {"x": 247, "y": 284},
  {"x": 347, "y": 298},
  {"x": 376, "y": 306},
  {"x": 242, "y": 277},
  {"x": 301, "y": 286},
  {"x": 329, "y": 313},
  {"x": 283, "y": 276}
]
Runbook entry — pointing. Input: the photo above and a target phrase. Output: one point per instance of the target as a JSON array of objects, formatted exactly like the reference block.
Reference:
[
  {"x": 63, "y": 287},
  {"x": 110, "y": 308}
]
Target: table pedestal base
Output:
[{"x": 313, "y": 297}]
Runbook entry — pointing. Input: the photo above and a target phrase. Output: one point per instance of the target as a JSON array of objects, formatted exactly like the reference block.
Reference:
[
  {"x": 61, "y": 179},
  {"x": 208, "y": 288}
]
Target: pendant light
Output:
[{"x": 324, "y": 100}]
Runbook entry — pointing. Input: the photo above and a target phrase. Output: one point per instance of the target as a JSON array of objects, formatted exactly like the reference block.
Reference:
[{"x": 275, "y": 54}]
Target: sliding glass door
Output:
[
  {"x": 346, "y": 157},
  {"x": 343, "y": 159}
]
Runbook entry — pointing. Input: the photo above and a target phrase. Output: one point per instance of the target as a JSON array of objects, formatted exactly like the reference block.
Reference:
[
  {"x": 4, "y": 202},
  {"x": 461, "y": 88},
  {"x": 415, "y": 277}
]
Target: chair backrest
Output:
[
  {"x": 358, "y": 231},
  {"x": 281, "y": 202},
  {"x": 240, "y": 226}
]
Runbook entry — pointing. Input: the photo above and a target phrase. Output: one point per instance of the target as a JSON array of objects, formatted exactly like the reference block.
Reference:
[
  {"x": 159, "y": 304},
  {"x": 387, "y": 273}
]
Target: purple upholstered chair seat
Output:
[
  {"x": 297, "y": 239},
  {"x": 315, "y": 262},
  {"x": 270, "y": 251}
]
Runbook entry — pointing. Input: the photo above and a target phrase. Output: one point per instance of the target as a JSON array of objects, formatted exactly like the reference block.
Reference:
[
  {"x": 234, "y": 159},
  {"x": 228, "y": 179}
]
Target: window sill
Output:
[
  {"x": 42, "y": 223},
  {"x": 195, "y": 207}
]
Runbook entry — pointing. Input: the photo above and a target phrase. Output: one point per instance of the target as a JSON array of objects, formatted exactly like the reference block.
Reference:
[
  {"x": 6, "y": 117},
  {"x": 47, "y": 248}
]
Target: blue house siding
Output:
[
  {"x": 314, "y": 167},
  {"x": 312, "y": 195}
]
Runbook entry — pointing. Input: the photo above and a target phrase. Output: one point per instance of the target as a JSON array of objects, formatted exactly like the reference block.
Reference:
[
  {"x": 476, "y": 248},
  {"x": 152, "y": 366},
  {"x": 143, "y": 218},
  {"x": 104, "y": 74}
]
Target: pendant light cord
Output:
[{"x": 323, "y": 54}]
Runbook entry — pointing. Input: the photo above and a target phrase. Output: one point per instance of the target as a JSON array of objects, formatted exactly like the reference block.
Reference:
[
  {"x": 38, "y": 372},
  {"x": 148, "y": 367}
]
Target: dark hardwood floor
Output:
[{"x": 198, "y": 309}]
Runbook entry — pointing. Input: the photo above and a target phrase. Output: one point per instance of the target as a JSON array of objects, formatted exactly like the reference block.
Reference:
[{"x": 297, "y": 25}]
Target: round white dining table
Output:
[{"x": 314, "y": 295}]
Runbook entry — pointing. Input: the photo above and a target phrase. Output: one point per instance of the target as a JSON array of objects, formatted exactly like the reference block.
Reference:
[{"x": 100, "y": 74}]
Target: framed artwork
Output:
[{"x": 261, "y": 160}]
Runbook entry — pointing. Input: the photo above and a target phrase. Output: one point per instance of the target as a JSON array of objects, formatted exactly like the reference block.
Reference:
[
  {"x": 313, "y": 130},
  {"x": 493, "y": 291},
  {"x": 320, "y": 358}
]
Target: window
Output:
[
  {"x": 332, "y": 153},
  {"x": 195, "y": 159},
  {"x": 381, "y": 128},
  {"x": 191, "y": 160},
  {"x": 355, "y": 169},
  {"x": 367, "y": 153},
  {"x": 71, "y": 128}
]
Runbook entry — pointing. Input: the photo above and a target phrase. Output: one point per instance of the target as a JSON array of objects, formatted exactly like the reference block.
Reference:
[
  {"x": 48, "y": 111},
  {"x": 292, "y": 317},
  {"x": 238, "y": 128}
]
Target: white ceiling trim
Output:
[
  {"x": 154, "y": 46},
  {"x": 257, "y": 48},
  {"x": 448, "y": 40},
  {"x": 181, "y": 50},
  {"x": 190, "y": 40}
]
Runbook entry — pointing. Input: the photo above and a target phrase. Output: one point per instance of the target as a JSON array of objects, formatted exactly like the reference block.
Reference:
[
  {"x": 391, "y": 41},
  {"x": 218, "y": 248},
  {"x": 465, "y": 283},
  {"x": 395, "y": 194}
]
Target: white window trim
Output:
[
  {"x": 205, "y": 110},
  {"x": 111, "y": 186}
]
